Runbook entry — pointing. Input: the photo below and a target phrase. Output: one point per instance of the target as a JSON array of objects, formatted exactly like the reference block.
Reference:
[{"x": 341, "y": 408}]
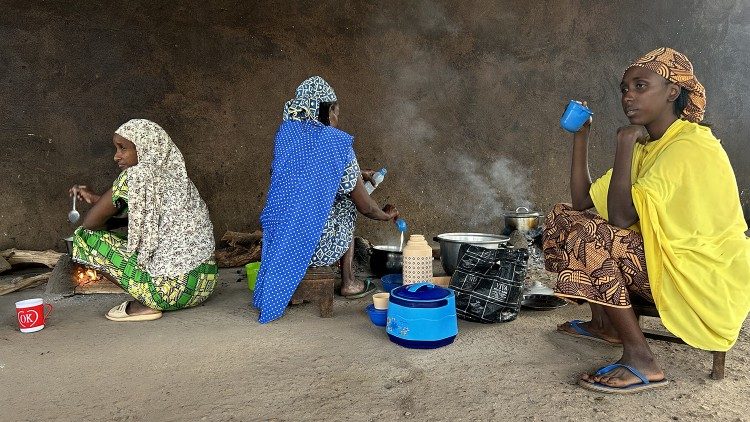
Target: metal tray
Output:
[{"x": 542, "y": 302}]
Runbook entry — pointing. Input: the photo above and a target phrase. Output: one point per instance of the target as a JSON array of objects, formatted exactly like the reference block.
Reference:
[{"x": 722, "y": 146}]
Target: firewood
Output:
[
  {"x": 242, "y": 239},
  {"x": 10, "y": 284},
  {"x": 47, "y": 258},
  {"x": 102, "y": 285},
  {"x": 4, "y": 265},
  {"x": 237, "y": 256}
]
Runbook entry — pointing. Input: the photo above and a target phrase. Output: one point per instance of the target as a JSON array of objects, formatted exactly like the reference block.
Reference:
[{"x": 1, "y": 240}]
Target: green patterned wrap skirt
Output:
[{"x": 107, "y": 251}]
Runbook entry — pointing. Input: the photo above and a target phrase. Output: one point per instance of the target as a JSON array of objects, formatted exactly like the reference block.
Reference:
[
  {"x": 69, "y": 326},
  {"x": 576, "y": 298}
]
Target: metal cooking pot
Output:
[
  {"x": 69, "y": 245},
  {"x": 386, "y": 260},
  {"x": 450, "y": 243},
  {"x": 522, "y": 220}
]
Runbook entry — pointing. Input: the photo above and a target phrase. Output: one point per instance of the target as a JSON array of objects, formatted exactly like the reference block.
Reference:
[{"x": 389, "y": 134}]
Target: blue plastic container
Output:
[
  {"x": 575, "y": 116},
  {"x": 391, "y": 281},
  {"x": 377, "y": 316},
  {"x": 422, "y": 316}
]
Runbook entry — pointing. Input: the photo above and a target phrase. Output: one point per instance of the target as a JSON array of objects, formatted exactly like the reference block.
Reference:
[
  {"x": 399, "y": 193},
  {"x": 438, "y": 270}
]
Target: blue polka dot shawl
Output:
[{"x": 309, "y": 160}]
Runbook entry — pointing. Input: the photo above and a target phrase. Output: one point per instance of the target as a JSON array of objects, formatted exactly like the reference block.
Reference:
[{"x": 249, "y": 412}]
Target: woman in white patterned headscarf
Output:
[{"x": 166, "y": 261}]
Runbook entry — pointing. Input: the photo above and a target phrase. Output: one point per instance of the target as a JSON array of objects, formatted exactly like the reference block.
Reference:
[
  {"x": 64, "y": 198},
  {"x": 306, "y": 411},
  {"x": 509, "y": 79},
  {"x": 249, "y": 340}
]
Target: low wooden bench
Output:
[
  {"x": 649, "y": 310},
  {"x": 317, "y": 286}
]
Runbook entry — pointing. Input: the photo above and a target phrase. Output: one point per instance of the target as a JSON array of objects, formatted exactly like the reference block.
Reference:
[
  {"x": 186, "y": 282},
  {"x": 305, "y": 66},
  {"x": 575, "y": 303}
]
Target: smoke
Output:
[
  {"x": 411, "y": 127},
  {"x": 431, "y": 16},
  {"x": 501, "y": 185},
  {"x": 431, "y": 98}
]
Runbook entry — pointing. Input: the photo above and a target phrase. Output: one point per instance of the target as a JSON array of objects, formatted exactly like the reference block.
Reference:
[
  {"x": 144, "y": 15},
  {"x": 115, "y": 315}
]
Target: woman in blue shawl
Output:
[{"x": 316, "y": 190}]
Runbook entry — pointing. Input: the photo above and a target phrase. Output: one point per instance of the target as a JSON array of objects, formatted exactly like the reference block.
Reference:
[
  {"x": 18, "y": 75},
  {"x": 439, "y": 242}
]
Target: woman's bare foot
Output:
[
  {"x": 621, "y": 377},
  {"x": 136, "y": 308},
  {"x": 599, "y": 331},
  {"x": 351, "y": 286}
]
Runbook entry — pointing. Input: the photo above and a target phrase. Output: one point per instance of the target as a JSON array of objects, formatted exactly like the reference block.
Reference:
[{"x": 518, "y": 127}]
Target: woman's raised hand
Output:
[
  {"x": 367, "y": 175},
  {"x": 590, "y": 120},
  {"x": 391, "y": 211},
  {"x": 632, "y": 134},
  {"x": 84, "y": 193}
]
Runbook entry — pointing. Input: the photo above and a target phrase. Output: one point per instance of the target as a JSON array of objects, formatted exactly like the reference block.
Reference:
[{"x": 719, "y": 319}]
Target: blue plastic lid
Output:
[
  {"x": 421, "y": 292},
  {"x": 383, "y": 171},
  {"x": 401, "y": 224}
]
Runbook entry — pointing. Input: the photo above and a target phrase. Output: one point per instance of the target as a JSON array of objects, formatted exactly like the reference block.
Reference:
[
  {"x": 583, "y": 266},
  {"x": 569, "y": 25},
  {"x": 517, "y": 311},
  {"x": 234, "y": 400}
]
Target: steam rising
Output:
[{"x": 499, "y": 186}]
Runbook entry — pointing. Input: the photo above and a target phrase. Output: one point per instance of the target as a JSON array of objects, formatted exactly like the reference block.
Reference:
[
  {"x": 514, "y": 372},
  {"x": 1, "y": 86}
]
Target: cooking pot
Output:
[
  {"x": 69, "y": 245},
  {"x": 386, "y": 260},
  {"x": 422, "y": 316},
  {"x": 522, "y": 220},
  {"x": 450, "y": 243}
]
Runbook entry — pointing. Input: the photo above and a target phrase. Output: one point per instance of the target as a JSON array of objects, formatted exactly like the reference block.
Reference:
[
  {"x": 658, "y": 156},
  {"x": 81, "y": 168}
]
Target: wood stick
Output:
[
  {"x": 4, "y": 265},
  {"x": 237, "y": 256},
  {"x": 20, "y": 283},
  {"x": 47, "y": 258},
  {"x": 242, "y": 239}
]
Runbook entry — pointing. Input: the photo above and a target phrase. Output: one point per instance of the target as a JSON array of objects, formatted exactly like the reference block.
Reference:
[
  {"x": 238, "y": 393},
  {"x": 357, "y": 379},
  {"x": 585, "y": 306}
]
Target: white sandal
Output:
[{"x": 119, "y": 314}]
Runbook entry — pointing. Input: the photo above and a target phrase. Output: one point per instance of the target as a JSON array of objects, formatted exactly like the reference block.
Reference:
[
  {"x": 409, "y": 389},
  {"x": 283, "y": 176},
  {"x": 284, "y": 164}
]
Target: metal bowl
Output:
[
  {"x": 542, "y": 302},
  {"x": 450, "y": 243},
  {"x": 386, "y": 259}
]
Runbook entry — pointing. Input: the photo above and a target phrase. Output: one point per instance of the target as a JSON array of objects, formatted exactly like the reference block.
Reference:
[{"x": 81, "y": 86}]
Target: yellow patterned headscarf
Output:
[{"x": 676, "y": 68}]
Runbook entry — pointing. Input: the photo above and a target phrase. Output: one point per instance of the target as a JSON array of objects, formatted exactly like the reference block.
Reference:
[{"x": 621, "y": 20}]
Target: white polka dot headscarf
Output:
[{"x": 306, "y": 103}]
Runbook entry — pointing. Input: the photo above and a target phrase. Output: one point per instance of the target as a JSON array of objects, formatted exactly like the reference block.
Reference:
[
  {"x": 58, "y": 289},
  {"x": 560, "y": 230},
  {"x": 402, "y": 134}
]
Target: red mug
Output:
[{"x": 31, "y": 314}]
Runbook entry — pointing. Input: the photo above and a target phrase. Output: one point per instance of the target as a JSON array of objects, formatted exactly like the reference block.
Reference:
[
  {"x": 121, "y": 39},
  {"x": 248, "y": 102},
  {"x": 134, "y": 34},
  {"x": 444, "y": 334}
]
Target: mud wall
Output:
[{"x": 460, "y": 100}]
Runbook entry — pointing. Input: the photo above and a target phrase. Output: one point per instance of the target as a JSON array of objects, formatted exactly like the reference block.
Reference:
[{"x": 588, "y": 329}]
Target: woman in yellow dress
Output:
[{"x": 669, "y": 228}]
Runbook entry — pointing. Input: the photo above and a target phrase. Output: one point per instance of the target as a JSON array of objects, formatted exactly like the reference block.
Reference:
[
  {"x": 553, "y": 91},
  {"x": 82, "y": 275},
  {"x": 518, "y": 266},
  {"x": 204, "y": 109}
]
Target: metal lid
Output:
[
  {"x": 388, "y": 248},
  {"x": 523, "y": 212},
  {"x": 473, "y": 238}
]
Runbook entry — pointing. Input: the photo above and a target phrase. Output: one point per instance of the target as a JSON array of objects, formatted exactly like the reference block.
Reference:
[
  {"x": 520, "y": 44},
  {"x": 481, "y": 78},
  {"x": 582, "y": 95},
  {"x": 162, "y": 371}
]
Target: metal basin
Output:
[
  {"x": 450, "y": 243},
  {"x": 386, "y": 260}
]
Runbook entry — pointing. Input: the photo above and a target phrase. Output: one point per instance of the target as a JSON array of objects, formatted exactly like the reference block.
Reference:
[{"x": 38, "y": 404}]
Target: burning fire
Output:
[{"x": 83, "y": 275}]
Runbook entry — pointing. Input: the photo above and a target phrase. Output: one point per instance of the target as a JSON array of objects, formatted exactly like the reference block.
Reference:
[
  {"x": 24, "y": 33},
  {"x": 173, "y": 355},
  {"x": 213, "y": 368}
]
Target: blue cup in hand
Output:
[{"x": 575, "y": 116}]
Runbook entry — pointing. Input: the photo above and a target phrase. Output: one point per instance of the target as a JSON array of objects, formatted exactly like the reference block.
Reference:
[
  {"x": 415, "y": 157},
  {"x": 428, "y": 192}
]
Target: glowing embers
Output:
[
  {"x": 89, "y": 281},
  {"x": 83, "y": 275}
]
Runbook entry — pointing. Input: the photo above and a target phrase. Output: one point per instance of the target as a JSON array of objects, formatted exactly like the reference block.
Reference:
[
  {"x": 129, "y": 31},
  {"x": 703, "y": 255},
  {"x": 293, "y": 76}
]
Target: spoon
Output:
[{"x": 73, "y": 215}]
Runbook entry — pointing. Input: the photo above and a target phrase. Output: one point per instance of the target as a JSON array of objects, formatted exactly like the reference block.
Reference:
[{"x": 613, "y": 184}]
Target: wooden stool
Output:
[
  {"x": 317, "y": 286},
  {"x": 647, "y": 309}
]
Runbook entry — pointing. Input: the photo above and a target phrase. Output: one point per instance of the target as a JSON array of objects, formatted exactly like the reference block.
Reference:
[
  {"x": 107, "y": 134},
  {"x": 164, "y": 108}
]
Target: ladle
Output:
[{"x": 73, "y": 215}]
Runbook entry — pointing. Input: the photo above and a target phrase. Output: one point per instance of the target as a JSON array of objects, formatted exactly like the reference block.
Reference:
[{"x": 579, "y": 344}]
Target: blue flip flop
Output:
[
  {"x": 645, "y": 384},
  {"x": 581, "y": 332}
]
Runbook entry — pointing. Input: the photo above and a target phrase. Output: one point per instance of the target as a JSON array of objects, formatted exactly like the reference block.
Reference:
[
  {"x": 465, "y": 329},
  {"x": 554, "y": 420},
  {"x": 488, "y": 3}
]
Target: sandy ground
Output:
[{"x": 216, "y": 363}]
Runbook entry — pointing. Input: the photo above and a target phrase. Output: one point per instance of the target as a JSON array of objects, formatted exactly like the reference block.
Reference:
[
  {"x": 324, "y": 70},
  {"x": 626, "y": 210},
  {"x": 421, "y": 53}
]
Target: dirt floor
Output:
[{"x": 216, "y": 363}]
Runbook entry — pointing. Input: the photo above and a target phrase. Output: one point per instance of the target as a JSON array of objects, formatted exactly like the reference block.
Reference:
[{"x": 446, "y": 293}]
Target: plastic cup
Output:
[
  {"x": 576, "y": 114},
  {"x": 380, "y": 300},
  {"x": 252, "y": 274},
  {"x": 31, "y": 314}
]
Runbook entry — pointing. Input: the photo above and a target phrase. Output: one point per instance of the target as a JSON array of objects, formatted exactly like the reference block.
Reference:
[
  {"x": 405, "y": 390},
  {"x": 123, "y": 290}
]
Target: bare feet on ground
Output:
[
  {"x": 352, "y": 286},
  {"x": 599, "y": 331}
]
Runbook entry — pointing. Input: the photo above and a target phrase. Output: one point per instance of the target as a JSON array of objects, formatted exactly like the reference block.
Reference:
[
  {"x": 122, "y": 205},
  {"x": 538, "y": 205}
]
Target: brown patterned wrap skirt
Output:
[{"x": 595, "y": 261}]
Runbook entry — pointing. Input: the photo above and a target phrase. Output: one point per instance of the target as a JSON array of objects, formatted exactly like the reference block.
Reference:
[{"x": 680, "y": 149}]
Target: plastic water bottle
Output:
[{"x": 377, "y": 178}]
